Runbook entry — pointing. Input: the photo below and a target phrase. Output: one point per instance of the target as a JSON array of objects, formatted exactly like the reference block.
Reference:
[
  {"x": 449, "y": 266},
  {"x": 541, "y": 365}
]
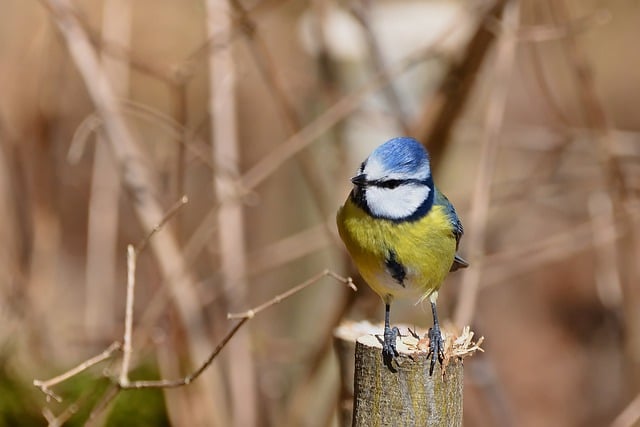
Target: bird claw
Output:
[
  {"x": 389, "y": 347},
  {"x": 436, "y": 347}
]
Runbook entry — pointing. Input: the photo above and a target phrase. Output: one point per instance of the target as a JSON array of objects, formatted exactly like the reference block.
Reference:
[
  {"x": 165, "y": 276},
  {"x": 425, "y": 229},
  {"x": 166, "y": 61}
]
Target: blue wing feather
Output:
[{"x": 456, "y": 225}]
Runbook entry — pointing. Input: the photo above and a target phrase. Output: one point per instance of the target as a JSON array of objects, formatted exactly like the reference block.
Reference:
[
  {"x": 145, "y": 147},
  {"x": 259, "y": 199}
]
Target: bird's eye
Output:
[{"x": 390, "y": 183}]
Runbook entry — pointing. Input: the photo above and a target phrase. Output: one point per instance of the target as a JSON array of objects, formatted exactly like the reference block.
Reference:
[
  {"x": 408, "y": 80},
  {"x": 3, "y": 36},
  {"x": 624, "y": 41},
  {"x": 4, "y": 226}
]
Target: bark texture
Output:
[{"x": 408, "y": 397}]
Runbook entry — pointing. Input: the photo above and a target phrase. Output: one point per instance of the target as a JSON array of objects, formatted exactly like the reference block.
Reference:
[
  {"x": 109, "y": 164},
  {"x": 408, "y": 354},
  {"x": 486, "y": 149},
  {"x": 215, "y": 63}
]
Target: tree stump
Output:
[{"x": 409, "y": 396}]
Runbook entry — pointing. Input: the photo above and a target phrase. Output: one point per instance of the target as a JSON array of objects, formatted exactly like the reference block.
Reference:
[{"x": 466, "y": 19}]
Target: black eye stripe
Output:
[
  {"x": 390, "y": 183},
  {"x": 394, "y": 183}
]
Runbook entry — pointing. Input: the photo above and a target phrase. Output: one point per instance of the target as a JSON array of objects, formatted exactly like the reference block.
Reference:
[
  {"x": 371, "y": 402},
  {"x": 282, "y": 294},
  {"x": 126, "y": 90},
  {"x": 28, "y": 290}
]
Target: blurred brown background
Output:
[{"x": 259, "y": 111}]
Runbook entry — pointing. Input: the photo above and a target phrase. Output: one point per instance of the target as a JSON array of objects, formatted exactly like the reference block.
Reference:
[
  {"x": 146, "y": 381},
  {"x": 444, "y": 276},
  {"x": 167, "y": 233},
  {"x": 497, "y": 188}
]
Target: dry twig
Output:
[
  {"x": 143, "y": 189},
  {"x": 225, "y": 149},
  {"x": 278, "y": 299},
  {"x": 361, "y": 10},
  {"x": 436, "y": 121},
  {"x": 123, "y": 382},
  {"x": 613, "y": 175},
  {"x": 486, "y": 166},
  {"x": 45, "y": 386},
  {"x": 333, "y": 115}
]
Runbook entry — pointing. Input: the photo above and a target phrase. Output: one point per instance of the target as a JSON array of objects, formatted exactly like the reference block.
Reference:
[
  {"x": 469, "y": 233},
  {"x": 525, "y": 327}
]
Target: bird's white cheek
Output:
[{"x": 396, "y": 203}]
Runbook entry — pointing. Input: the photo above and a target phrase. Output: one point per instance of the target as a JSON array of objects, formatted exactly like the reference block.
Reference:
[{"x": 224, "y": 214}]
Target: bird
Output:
[{"x": 402, "y": 234}]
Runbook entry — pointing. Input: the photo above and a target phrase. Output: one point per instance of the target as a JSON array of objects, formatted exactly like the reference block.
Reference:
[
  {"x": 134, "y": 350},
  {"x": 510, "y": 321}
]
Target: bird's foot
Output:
[
  {"x": 389, "y": 347},
  {"x": 436, "y": 347}
]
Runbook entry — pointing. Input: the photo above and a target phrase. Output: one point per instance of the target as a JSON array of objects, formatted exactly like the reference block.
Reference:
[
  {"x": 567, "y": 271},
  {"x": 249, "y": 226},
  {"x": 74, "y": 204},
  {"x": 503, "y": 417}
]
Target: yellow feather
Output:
[{"x": 425, "y": 248}]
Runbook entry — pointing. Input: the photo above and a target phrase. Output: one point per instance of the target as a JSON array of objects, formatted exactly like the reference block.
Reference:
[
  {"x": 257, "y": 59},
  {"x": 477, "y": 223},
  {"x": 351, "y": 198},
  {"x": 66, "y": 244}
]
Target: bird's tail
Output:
[{"x": 458, "y": 263}]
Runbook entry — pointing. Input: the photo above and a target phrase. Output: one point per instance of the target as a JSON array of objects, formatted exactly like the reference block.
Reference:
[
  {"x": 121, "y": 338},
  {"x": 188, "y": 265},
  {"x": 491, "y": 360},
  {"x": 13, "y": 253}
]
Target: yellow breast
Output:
[{"x": 425, "y": 248}]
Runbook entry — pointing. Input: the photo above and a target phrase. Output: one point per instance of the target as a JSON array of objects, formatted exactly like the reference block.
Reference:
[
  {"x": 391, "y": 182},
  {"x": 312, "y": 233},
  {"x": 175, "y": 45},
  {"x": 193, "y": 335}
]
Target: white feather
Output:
[{"x": 396, "y": 203}]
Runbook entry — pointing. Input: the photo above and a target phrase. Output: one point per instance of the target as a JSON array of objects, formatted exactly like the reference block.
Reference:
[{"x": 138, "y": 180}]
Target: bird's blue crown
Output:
[{"x": 403, "y": 155}]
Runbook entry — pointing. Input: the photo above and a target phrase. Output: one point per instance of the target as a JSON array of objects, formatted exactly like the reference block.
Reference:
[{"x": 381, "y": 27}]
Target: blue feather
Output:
[
  {"x": 402, "y": 154},
  {"x": 456, "y": 224}
]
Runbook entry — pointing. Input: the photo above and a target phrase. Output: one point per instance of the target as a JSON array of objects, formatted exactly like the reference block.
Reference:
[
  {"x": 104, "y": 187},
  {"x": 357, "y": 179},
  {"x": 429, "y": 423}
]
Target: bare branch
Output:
[
  {"x": 249, "y": 314},
  {"x": 141, "y": 184},
  {"x": 128, "y": 320},
  {"x": 108, "y": 396},
  {"x": 490, "y": 140},
  {"x": 123, "y": 380},
  {"x": 170, "y": 213},
  {"x": 243, "y": 318},
  {"x": 439, "y": 114},
  {"x": 361, "y": 11},
  {"x": 333, "y": 115},
  {"x": 46, "y": 385},
  {"x": 543, "y": 33},
  {"x": 191, "y": 377}
]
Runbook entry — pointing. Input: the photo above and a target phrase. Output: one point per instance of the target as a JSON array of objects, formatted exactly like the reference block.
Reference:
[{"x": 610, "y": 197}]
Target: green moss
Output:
[
  {"x": 21, "y": 403},
  {"x": 18, "y": 400},
  {"x": 141, "y": 408}
]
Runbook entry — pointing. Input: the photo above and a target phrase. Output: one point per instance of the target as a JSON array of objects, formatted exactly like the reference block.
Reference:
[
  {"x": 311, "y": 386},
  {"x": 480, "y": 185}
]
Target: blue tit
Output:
[{"x": 401, "y": 232}]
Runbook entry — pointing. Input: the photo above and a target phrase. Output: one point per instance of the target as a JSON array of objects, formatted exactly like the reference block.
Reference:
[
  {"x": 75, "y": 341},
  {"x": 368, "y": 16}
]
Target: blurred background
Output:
[{"x": 260, "y": 111}]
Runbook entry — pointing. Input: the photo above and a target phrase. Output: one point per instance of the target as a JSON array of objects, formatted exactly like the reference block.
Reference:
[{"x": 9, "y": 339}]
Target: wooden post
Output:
[
  {"x": 345, "y": 337},
  {"x": 409, "y": 396}
]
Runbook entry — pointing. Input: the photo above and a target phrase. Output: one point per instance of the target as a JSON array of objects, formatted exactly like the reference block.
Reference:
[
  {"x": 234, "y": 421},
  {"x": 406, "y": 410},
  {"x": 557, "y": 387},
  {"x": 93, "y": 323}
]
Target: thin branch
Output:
[
  {"x": 607, "y": 273},
  {"x": 223, "y": 75},
  {"x": 486, "y": 167},
  {"x": 112, "y": 391},
  {"x": 543, "y": 33},
  {"x": 290, "y": 248},
  {"x": 170, "y": 213},
  {"x": 45, "y": 386},
  {"x": 333, "y": 115},
  {"x": 249, "y": 314},
  {"x": 191, "y": 377},
  {"x": 142, "y": 186},
  {"x": 336, "y": 113},
  {"x": 243, "y": 318},
  {"x": 361, "y": 10},
  {"x": 614, "y": 177},
  {"x": 123, "y": 381},
  {"x": 90, "y": 125},
  {"x": 180, "y": 104},
  {"x": 128, "y": 320},
  {"x": 268, "y": 68},
  {"x": 445, "y": 107},
  {"x": 316, "y": 359},
  {"x": 544, "y": 87},
  {"x": 175, "y": 129},
  {"x": 554, "y": 248},
  {"x": 50, "y": 417},
  {"x": 64, "y": 416},
  {"x": 266, "y": 65}
]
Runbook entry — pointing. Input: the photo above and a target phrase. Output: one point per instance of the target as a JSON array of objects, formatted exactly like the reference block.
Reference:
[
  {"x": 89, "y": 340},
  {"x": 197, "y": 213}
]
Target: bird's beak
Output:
[{"x": 359, "y": 180}]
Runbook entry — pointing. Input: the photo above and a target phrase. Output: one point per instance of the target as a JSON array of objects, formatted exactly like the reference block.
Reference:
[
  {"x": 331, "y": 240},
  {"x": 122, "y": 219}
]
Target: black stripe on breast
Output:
[{"x": 394, "y": 267}]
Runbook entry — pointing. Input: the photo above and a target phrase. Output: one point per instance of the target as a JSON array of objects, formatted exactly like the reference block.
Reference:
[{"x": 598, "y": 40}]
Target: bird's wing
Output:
[
  {"x": 456, "y": 224},
  {"x": 457, "y": 228}
]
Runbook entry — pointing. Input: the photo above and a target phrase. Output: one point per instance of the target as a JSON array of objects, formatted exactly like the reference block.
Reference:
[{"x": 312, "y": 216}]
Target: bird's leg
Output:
[
  {"x": 389, "y": 345},
  {"x": 436, "y": 344}
]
